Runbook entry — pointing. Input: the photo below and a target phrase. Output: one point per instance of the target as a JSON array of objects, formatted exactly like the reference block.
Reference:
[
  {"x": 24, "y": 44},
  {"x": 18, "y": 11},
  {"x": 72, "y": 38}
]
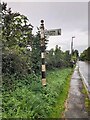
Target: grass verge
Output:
[
  {"x": 59, "y": 107},
  {"x": 87, "y": 100},
  {"x": 31, "y": 100}
]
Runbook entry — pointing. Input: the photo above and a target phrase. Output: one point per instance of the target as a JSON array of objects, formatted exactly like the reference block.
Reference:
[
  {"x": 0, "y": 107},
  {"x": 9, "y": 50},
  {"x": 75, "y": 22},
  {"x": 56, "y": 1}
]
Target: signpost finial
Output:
[{"x": 42, "y": 21}]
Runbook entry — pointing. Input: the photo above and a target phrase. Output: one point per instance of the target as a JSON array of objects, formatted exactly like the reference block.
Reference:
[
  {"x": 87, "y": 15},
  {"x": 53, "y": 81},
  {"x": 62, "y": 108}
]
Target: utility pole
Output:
[{"x": 42, "y": 35}]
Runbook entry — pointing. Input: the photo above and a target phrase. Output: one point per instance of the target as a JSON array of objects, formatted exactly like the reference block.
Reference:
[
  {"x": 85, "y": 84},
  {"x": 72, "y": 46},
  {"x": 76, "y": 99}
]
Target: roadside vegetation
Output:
[
  {"x": 87, "y": 100},
  {"x": 85, "y": 55},
  {"x": 59, "y": 108},
  {"x": 23, "y": 95},
  {"x": 31, "y": 100}
]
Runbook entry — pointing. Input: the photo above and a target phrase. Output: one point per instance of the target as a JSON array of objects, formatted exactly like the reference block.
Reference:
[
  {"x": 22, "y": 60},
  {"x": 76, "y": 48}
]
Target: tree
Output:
[
  {"x": 88, "y": 54},
  {"x": 36, "y": 54},
  {"x": 85, "y": 55},
  {"x": 75, "y": 55},
  {"x": 16, "y": 35},
  {"x": 57, "y": 58},
  {"x": 16, "y": 31},
  {"x": 67, "y": 58},
  {"x": 50, "y": 59}
]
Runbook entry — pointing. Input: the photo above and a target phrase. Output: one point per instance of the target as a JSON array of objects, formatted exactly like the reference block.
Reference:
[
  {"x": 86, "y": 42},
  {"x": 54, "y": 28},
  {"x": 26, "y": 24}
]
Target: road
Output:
[{"x": 84, "y": 69}]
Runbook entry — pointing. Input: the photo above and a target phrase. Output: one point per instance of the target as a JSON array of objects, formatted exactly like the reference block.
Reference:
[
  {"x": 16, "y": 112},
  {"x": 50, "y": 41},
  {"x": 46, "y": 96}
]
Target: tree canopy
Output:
[{"x": 85, "y": 55}]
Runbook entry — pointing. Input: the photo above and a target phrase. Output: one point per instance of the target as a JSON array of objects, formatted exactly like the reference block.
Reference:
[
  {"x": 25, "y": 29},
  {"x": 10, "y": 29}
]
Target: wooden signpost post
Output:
[{"x": 43, "y": 32}]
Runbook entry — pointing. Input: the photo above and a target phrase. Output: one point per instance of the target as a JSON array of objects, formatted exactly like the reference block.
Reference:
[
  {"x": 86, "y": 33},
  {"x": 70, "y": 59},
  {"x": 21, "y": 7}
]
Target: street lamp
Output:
[
  {"x": 72, "y": 45},
  {"x": 72, "y": 52}
]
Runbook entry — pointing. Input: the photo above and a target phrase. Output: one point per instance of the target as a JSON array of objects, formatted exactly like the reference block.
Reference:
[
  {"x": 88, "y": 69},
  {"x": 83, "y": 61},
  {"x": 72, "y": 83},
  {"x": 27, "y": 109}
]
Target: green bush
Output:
[{"x": 14, "y": 64}]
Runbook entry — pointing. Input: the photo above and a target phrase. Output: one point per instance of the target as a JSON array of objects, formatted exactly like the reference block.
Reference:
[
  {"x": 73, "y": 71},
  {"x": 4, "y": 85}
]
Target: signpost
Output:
[
  {"x": 53, "y": 32},
  {"x": 43, "y": 32}
]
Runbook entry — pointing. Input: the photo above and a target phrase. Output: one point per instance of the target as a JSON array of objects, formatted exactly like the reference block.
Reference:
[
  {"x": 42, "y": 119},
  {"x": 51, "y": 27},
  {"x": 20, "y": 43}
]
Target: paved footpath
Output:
[{"x": 75, "y": 105}]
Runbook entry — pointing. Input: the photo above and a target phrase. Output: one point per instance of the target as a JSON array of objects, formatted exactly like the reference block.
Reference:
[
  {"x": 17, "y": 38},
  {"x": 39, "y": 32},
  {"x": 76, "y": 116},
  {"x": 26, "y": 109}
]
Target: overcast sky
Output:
[{"x": 71, "y": 17}]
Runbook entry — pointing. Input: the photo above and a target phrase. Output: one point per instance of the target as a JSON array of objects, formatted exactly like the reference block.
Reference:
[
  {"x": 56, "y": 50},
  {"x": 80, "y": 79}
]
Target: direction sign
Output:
[{"x": 53, "y": 32}]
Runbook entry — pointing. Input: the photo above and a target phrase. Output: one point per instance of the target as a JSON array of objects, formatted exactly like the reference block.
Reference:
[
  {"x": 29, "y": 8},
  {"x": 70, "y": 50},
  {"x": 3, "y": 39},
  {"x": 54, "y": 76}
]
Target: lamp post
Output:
[
  {"x": 71, "y": 62},
  {"x": 72, "y": 45}
]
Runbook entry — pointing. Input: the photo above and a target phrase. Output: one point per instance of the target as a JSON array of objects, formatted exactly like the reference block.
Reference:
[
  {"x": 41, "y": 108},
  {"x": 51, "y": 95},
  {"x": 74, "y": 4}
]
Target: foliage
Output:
[
  {"x": 14, "y": 64},
  {"x": 57, "y": 58},
  {"x": 59, "y": 108},
  {"x": 36, "y": 54},
  {"x": 31, "y": 100},
  {"x": 16, "y": 35},
  {"x": 75, "y": 55},
  {"x": 15, "y": 29},
  {"x": 85, "y": 55}
]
